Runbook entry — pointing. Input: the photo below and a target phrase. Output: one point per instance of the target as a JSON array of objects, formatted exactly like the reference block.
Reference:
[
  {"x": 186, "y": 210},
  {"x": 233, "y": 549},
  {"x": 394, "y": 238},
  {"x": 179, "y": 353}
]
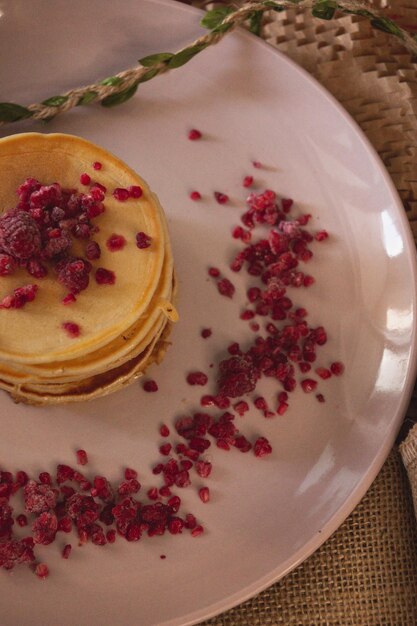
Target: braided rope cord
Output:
[{"x": 120, "y": 87}]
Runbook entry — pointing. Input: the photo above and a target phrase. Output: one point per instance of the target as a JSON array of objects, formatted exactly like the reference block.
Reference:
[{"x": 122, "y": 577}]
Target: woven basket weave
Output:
[{"x": 366, "y": 573}]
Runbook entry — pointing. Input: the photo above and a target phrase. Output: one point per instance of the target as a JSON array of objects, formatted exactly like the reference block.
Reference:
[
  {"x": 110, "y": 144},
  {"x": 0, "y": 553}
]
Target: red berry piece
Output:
[
  {"x": 323, "y": 372},
  {"x": 226, "y": 287},
  {"x": 22, "y": 520},
  {"x": 150, "y": 386},
  {"x": 206, "y": 333},
  {"x": 74, "y": 274},
  {"x": 308, "y": 385},
  {"x": 165, "y": 449},
  {"x": 8, "y": 264},
  {"x": 197, "y": 378},
  {"x": 204, "y": 494},
  {"x": 42, "y": 570},
  {"x": 105, "y": 277},
  {"x": 69, "y": 299},
  {"x": 66, "y": 551},
  {"x": 321, "y": 235},
  {"x": 337, "y": 368},
  {"x": 82, "y": 458},
  {"x": 72, "y": 329},
  {"x": 262, "y": 447},
  {"x": 130, "y": 473},
  {"x": 221, "y": 198},
  {"x": 115, "y": 243},
  {"x": 135, "y": 191},
  {"x": 195, "y": 195},
  {"x": 247, "y": 181},
  {"x": 164, "y": 430},
  {"x": 121, "y": 194},
  {"x": 143, "y": 240},
  {"x": 194, "y": 134},
  {"x": 20, "y": 236},
  {"x": 97, "y": 165},
  {"x": 241, "y": 407},
  {"x": 92, "y": 251},
  {"x": 85, "y": 179},
  {"x": 214, "y": 272}
]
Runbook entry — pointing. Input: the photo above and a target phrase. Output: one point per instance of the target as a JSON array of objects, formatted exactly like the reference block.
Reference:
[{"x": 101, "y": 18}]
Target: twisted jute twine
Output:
[{"x": 131, "y": 77}]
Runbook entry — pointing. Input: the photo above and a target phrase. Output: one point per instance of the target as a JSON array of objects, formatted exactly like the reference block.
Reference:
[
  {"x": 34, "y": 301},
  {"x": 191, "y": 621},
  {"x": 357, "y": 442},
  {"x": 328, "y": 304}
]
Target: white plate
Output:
[{"x": 266, "y": 516}]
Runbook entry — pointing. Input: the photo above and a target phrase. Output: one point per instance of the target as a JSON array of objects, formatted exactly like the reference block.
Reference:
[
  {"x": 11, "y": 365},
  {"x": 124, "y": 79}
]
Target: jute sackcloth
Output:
[{"x": 366, "y": 573}]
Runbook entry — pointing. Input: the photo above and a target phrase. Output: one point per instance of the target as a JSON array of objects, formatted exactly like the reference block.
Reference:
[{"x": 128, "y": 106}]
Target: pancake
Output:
[{"x": 120, "y": 325}]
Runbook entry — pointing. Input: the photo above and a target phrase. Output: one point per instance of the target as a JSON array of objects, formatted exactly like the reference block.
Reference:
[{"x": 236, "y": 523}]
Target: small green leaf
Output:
[
  {"x": 113, "y": 81},
  {"x": 181, "y": 58},
  {"x": 10, "y": 112},
  {"x": 273, "y": 5},
  {"x": 215, "y": 17},
  {"x": 121, "y": 97},
  {"x": 152, "y": 59},
  {"x": 324, "y": 9},
  {"x": 387, "y": 26},
  {"x": 255, "y": 22},
  {"x": 55, "y": 101},
  {"x": 360, "y": 12},
  {"x": 149, "y": 74},
  {"x": 88, "y": 97}
]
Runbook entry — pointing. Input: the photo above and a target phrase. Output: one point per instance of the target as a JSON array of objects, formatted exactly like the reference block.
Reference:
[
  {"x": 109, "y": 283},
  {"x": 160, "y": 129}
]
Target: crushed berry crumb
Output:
[
  {"x": 226, "y": 287},
  {"x": 143, "y": 240},
  {"x": 135, "y": 191},
  {"x": 150, "y": 386},
  {"x": 82, "y": 458},
  {"x": 105, "y": 277},
  {"x": 121, "y": 194},
  {"x": 197, "y": 378},
  {"x": 221, "y": 198},
  {"x": 42, "y": 570},
  {"x": 194, "y": 134},
  {"x": 116, "y": 242},
  {"x": 72, "y": 329}
]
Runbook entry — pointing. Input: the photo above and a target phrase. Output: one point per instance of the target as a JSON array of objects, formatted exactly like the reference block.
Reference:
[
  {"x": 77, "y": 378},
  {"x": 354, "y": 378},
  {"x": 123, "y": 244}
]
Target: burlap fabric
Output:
[{"x": 366, "y": 573}]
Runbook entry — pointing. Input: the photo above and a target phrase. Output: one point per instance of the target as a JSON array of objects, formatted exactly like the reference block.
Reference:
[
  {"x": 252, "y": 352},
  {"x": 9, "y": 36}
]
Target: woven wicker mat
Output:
[{"x": 366, "y": 573}]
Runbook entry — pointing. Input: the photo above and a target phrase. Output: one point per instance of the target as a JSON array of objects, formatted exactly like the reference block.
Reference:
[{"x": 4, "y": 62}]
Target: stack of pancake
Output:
[{"x": 124, "y": 326}]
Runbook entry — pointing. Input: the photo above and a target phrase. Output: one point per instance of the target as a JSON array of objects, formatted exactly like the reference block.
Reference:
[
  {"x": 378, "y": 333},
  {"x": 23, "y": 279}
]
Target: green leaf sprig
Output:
[{"x": 115, "y": 90}]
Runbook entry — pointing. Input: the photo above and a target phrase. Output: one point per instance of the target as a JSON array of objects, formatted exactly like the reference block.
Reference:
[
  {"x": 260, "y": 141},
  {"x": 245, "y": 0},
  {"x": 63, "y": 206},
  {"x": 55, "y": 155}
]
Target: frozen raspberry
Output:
[
  {"x": 92, "y": 251},
  {"x": 74, "y": 274},
  {"x": 82, "y": 231},
  {"x": 57, "y": 214},
  {"x": 39, "y": 497},
  {"x": 15, "y": 552},
  {"x": 105, "y": 277},
  {"x": 6, "y": 520},
  {"x": 47, "y": 196},
  {"x": 57, "y": 245},
  {"x": 20, "y": 297},
  {"x": 44, "y": 528},
  {"x": 19, "y": 235},
  {"x": 237, "y": 376},
  {"x": 36, "y": 269},
  {"x": 27, "y": 188},
  {"x": 143, "y": 240},
  {"x": 7, "y": 264}
]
